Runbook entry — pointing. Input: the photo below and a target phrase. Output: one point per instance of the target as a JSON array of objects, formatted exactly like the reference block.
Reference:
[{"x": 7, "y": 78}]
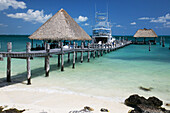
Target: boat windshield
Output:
[{"x": 101, "y": 32}]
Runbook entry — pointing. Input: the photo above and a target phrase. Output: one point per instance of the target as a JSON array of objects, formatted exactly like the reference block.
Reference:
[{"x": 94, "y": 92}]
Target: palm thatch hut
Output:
[
  {"x": 145, "y": 33},
  {"x": 59, "y": 27}
]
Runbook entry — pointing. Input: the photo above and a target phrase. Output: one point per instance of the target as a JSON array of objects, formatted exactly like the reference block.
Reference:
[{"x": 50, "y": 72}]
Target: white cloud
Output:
[
  {"x": 3, "y": 25},
  {"x": 86, "y": 24},
  {"x": 32, "y": 16},
  {"x": 119, "y": 26},
  {"x": 145, "y": 18},
  {"x": 133, "y": 23},
  {"x": 19, "y": 26},
  {"x": 168, "y": 23},
  {"x": 5, "y": 4},
  {"x": 161, "y": 19},
  {"x": 81, "y": 19}
]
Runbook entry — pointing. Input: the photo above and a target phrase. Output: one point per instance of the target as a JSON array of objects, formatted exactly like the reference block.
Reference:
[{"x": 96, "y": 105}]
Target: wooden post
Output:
[
  {"x": 69, "y": 53},
  {"x": 45, "y": 46},
  {"x": 163, "y": 42},
  {"x": 160, "y": 41},
  {"x": 149, "y": 46},
  {"x": 9, "y": 47},
  {"x": 135, "y": 40},
  {"x": 94, "y": 51},
  {"x": 58, "y": 60},
  {"x": 144, "y": 40},
  {"x": 47, "y": 60},
  {"x": 102, "y": 50},
  {"x": 62, "y": 57},
  {"x": 108, "y": 48},
  {"x": 98, "y": 52},
  {"x": 76, "y": 51},
  {"x": 105, "y": 48},
  {"x": 28, "y": 64},
  {"x": 88, "y": 52},
  {"x": 45, "y": 63},
  {"x": 155, "y": 41},
  {"x": 82, "y": 52},
  {"x": 32, "y": 45},
  {"x": 73, "y": 55}
]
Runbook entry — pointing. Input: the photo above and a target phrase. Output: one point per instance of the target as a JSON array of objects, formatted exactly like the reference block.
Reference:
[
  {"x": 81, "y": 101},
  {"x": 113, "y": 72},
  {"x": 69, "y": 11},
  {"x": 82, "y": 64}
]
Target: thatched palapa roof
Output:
[
  {"x": 145, "y": 33},
  {"x": 60, "y": 27}
]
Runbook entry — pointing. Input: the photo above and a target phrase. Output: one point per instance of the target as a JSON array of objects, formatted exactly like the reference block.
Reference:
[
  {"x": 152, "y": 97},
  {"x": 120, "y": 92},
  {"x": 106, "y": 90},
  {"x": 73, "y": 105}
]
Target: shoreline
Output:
[
  {"x": 51, "y": 102},
  {"x": 46, "y": 102}
]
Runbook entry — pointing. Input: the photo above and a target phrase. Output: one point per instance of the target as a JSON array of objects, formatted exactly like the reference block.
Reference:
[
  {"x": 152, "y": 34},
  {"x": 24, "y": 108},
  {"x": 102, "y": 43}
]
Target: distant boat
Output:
[{"x": 102, "y": 30}]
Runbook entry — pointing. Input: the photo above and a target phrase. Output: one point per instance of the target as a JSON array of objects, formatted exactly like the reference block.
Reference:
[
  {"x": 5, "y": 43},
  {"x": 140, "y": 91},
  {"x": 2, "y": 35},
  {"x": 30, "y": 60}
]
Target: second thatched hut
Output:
[{"x": 148, "y": 34}]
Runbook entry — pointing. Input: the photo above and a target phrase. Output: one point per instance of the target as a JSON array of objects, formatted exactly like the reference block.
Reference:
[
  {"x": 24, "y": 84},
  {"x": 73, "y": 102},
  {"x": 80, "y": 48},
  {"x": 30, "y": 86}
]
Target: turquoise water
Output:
[{"x": 114, "y": 76}]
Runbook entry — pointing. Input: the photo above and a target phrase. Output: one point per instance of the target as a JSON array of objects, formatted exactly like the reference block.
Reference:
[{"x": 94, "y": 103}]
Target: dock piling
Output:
[
  {"x": 47, "y": 60},
  {"x": 94, "y": 51},
  {"x": 98, "y": 52},
  {"x": 102, "y": 50},
  {"x": 73, "y": 55},
  {"x": 58, "y": 60},
  {"x": 68, "y": 52},
  {"x": 76, "y": 51},
  {"x": 149, "y": 46},
  {"x": 163, "y": 42},
  {"x": 88, "y": 52},
  {"x": 9, "y": 47},
  {"x": 62, "y": 57},
  {"x": 82, "y": 52},
  {"x": 105, "y": 48},
  {"x": 108, "y": 48},
  {"x": 160, "y": 41},
  {"x": 28, "y": 64}
]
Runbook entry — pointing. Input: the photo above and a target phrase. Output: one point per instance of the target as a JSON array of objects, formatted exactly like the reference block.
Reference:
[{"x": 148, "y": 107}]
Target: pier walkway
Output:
[{"x": 28, "y": 54}]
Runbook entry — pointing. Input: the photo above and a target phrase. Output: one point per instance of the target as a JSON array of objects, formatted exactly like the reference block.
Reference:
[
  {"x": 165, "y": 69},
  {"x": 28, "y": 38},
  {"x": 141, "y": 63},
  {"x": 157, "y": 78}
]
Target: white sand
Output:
[{"x": 36, "y": 101}]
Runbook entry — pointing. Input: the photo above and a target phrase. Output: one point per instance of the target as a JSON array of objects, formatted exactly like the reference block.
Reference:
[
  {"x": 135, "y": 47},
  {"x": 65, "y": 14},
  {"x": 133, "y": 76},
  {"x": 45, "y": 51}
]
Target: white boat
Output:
[{"x": 102, "y": 30}]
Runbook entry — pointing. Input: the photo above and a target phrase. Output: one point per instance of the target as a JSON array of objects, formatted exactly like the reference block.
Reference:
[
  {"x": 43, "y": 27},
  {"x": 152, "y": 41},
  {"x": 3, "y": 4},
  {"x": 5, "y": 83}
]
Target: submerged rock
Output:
[
  {"x": 143, "y": 105},
  {"x": 145, "y": 89}
]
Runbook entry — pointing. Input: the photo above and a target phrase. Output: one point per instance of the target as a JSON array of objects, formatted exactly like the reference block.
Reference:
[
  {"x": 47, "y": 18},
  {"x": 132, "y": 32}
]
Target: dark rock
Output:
[
  {"x": 1, "y": 108},
  {"x": 88, "y": 108},
  {"x": 104, "y": 110},
  {"x": 145, "y": 89},
  {"x": 155, "y": 101},
  {"x": 143, "y": 105},
  {"x": 11, "y": 110},
  {"x": 134, "y": 100},
  {"x": 167, "y": 104}
]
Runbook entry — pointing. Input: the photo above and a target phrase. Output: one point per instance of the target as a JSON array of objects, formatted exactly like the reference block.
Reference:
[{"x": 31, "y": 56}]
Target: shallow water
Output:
[{"x": 114, "y": 76}]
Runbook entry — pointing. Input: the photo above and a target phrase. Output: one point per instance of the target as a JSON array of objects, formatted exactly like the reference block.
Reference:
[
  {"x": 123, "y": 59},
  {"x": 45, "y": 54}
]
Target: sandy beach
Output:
[{"x": 37, "y": 101}]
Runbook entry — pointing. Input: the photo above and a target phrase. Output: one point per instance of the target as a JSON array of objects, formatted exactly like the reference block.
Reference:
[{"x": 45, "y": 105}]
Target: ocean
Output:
[{"x": 114, "y": 76}]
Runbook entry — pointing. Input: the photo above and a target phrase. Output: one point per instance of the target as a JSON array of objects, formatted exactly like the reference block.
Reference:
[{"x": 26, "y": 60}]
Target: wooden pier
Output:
[{"x": 28, "y": 54}]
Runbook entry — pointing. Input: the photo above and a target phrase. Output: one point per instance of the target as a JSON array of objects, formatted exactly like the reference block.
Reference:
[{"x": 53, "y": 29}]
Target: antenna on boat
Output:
[
  {"x": 107, "y": 6},
  {"x": 95, "y": 13}
]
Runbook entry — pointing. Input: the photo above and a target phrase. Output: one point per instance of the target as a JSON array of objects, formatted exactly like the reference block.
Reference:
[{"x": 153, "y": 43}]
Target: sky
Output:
[{"x": 23, "y": 17}]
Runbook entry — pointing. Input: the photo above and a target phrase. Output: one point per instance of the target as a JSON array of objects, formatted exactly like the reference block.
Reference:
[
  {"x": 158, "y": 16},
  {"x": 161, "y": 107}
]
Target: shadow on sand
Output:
[{"x": 21, "y": 77}]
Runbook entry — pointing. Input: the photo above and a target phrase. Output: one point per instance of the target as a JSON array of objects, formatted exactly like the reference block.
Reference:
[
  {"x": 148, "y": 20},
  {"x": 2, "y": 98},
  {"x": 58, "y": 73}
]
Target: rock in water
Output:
[
  {"x": 145, "y": 89},
  {"x": 143, "y": 105}
]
